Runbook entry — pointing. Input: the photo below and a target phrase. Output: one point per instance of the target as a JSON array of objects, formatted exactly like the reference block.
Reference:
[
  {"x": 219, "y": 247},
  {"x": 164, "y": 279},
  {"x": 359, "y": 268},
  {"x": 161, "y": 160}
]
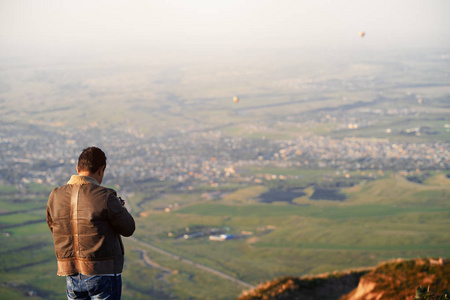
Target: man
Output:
[{"x": 87, "y": 221}]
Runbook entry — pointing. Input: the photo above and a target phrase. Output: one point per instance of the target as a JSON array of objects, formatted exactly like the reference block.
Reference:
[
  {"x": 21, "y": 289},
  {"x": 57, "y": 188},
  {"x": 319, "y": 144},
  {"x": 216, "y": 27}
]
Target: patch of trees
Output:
[
  {"x": 418, "y": 178},
  {"x": 278, "y": 195},
  {"x": 327, "y": 194}
]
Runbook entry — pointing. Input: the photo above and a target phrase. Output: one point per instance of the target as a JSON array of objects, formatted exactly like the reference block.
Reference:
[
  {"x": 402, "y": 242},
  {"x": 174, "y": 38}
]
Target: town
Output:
[{"x": 32, "y": 154}]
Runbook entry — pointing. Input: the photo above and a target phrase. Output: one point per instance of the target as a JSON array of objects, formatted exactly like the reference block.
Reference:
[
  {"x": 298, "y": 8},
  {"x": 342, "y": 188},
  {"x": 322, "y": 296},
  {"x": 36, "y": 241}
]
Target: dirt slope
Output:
[{"x": 392, "y": 280}]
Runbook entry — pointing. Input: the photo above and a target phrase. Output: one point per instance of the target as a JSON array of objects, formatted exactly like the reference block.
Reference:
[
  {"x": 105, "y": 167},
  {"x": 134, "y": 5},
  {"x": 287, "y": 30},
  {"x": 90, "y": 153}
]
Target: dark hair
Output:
[{"x": 91, "y": 159}]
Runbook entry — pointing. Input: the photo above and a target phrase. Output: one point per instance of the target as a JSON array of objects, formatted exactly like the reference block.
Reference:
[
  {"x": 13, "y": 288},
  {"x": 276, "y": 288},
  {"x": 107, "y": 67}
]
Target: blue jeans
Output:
[{"x": 94, "y": 287}]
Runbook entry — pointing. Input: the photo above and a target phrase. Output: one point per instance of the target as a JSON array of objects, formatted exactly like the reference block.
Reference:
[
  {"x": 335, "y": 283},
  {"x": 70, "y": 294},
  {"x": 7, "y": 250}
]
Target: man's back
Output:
[{"x": 87, "y": 220}]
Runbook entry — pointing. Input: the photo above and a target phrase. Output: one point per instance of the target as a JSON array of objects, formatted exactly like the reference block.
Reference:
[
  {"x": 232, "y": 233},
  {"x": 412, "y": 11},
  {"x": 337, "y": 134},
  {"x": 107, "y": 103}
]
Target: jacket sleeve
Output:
[
  {"x": 49, "y": 216},
  {"x": 119, "y": 217},
  {"x": 49, "y": 220}
]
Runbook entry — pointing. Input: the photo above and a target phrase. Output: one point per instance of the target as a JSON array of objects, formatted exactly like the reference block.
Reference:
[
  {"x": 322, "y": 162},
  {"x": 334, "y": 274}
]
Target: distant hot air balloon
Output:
[
  {"x": 362, "y": 34},
  {"x": 235, "y": 99}
]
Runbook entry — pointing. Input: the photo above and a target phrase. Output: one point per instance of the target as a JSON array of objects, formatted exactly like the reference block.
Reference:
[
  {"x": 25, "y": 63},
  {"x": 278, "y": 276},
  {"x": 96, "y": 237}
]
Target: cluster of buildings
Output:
[
  {"x": 216, "y": 234},
  {"x": 30, "y": 154}
]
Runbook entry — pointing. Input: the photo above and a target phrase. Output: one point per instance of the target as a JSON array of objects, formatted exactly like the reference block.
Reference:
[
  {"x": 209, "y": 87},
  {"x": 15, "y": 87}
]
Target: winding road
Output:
[{"x": 190, "y": 262}]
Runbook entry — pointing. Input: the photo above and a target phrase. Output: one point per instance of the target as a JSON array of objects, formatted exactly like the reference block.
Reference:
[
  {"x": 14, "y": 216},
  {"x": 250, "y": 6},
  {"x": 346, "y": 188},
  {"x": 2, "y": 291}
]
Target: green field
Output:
[{"x": 278, "y": 239}]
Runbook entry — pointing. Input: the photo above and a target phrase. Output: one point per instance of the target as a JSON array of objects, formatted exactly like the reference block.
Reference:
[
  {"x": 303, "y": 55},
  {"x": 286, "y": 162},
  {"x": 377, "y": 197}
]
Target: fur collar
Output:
[{"x": 80, "y": 180}]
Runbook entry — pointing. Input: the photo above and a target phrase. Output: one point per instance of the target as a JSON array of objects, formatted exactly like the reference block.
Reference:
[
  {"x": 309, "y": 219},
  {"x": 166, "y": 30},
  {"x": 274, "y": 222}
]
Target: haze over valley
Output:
[{"x": 335, "y": 157}]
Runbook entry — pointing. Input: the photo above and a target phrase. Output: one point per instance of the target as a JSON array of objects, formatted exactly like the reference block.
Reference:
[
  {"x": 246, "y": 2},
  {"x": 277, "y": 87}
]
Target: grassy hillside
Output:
[
  {"x": 314, "y": 236},
  {"x": 397, "y": 190},
  {"x": 378, "y": 221}
]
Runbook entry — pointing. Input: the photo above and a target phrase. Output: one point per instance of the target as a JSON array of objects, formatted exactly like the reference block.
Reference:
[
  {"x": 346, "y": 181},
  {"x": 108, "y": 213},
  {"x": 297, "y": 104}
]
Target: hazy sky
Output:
[{"x": 79, "y": 26}]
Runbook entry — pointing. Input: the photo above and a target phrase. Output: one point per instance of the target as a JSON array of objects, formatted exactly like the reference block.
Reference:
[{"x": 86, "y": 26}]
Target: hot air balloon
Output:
[
  {"x": 362, "y": 34},
  {"x": 235, "y": 99}
]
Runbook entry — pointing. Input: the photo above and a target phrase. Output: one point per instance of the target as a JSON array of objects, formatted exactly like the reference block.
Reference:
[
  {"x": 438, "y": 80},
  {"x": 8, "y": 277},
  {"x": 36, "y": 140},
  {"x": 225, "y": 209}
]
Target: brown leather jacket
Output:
[{"x": 86, "y": 221}]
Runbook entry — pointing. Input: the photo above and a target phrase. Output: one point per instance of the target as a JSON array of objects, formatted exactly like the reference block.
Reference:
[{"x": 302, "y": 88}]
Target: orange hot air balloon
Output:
[
  {"x": 235, "y": 99},
  {"x": 362, "y": 34}
]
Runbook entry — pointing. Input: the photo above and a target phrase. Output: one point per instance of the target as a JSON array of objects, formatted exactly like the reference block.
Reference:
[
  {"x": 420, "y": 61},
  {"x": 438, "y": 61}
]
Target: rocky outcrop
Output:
[
  {"x": 364, "y": 291},
  {"x": 397, "y": 279},
  {"x": 327, "y": 286}
]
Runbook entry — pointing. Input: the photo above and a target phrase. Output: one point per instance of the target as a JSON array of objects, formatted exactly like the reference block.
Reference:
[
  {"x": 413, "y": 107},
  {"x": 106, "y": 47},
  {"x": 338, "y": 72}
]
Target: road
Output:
[{"x": 190, "y": 262}]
